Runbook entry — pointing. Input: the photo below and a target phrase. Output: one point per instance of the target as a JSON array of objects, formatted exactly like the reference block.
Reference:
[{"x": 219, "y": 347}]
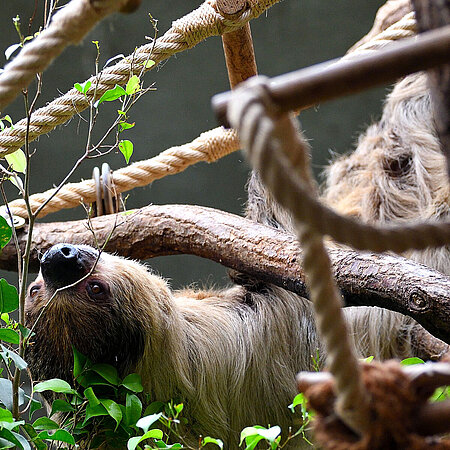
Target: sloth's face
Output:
[
  {"x": 101, "y": 304},
  {"x": 69, "y": 271}
]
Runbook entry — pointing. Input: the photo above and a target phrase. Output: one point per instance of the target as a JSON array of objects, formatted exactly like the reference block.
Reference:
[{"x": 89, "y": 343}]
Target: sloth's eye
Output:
[
  {"x": 34, "y": 290},
  {"x": 96, "y": 290}
]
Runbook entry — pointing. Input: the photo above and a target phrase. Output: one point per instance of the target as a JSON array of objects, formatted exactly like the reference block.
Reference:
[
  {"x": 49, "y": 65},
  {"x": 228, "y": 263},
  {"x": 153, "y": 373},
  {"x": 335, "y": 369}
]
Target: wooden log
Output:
[{"x": 261, "y": 252}]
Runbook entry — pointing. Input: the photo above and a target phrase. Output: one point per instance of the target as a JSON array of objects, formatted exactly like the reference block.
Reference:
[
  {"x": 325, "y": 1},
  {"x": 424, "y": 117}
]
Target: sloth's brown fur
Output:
[{"x": 231, "y": 355}]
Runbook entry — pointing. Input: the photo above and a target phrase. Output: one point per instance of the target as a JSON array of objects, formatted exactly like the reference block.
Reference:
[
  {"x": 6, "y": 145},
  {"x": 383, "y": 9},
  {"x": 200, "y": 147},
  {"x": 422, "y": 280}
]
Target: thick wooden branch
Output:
[{"x": 261, "y": 252}]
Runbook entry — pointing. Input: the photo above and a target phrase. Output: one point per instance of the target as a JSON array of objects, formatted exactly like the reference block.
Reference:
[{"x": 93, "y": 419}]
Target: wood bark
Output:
[{"x": 260, "y": 252}]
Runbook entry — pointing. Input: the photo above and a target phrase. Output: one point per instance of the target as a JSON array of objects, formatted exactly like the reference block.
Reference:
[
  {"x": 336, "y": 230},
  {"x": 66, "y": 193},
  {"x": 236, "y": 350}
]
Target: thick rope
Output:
[
  {"x": 264, "y": 136},
  {"x": 185, "y": 33},
  {"x": 208, "y": 147},
  {"x": 68, "y": 26},
  {"x": 404, "y": 28}
]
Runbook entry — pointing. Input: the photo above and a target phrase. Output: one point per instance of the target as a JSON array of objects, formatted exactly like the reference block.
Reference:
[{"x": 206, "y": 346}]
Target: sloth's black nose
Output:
[{"x": 64, "y": 264}]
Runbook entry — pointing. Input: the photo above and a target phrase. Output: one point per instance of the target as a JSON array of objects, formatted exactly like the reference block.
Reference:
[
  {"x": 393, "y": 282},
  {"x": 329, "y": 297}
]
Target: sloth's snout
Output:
[{"x": 64, "y": 264}]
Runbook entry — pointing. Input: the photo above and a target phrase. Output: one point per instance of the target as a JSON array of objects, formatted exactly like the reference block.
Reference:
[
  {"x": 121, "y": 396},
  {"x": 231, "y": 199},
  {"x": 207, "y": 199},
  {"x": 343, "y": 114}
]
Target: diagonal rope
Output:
[
  {"x": 68, "y": 26},
  {"x": 208, "y": 147}
]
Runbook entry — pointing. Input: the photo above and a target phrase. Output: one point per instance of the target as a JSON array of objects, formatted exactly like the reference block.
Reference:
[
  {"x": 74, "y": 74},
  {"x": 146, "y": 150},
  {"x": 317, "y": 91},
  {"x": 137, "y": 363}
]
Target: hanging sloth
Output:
[{"x": 231, "y": 356}]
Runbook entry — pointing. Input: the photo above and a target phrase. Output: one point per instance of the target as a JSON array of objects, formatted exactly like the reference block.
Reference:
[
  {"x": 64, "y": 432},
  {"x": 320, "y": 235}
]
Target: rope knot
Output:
[
  {"x": 394, "y": 402},
  {"x": 200, "y": 24}
]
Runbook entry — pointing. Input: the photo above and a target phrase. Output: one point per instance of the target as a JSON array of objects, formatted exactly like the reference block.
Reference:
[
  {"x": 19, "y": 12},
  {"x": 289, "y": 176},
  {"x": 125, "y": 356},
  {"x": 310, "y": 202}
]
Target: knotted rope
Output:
[
  {"x": 396, "y": 400},
  {"x": 278, "y": 152},
  {"x": 185, "y": 33},
  {"x": 68, "y": 26},
  {"x": 209, "y": 147}
]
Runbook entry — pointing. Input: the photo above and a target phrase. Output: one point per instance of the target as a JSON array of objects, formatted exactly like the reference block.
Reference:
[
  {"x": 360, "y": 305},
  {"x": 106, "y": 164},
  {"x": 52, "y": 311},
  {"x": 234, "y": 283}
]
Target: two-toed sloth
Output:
[{"x": 231, "y": 356}]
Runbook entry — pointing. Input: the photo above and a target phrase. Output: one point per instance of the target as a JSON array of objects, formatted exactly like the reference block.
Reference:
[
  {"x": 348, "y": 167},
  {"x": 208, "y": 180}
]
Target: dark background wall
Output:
[{"x": 291, "y": 35}]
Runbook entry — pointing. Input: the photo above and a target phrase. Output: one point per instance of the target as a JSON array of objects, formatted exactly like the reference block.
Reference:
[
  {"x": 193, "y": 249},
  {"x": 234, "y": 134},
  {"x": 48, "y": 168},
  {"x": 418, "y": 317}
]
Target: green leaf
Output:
[
  {"x": 154, "y": 408},
  {"x": 39, "y": 444},
  {"x": 126, "y": 147},
  {"x": 17, "y": 160},
  {"x": 9, "y": 299},
  {"x": 24, "y": 330},
  {"x": 14, "y": 438},
  {"x": 80, "y": 362},
  {"x": 94, "y": 411},
  {"x": 412, "y": 361},
  {"x": 55, "y": 385},
  {"x": 441, "y": 394},
  {"x": 7, "y": 117},
  {"x": 133, "y": 409},
  {"x": 152, "y": 434},
  {"x": 5, "y": 236},
  {"x": 299, "y": 399},
  {"x": 210, "y": 440},
  {"x": 133, "y": 85},
  {"x": 369, "y": 359},
  {"x": 59, "y": 435},
  {"x": 133, "y": 383},
  {"x": 6, "y": 415},
  {"x": 163, "y": 445},
  {"x": 149, "y": 63},
  {"x": 109, "y": 373},
  {"x": 9, "y": 335},
  {"x": 146, "y": 422},
  {"x": 6, "y": 393},
  {"x": 35, "y": 406},
  {"x": 44, "y": 423},
  {"x": 92, "y": 398},
  {"x": 5, "y": 318},
  {"x": 9, "y": 354},
  {"x": 126, "y": 125},
  {"x": 111, "y": 95},
  {"x": 113, "y": 410},
  {"x": 92, "y": 379},
  {"x": 83, "y": 87},
  {"x": 268, "y": 434},
  {"x": 60, "y": 405}
]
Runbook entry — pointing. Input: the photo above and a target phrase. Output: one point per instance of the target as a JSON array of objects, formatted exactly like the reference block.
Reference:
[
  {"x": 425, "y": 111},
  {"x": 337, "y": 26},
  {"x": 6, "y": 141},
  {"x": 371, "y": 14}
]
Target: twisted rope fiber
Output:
[
  {"x": 404, "y": 28},
  {"x": 69, "y": 25},
  {"x": 262, "y": 137},
  {"x": 209, "y": 146},
  {"x": 185, "y": 33}
]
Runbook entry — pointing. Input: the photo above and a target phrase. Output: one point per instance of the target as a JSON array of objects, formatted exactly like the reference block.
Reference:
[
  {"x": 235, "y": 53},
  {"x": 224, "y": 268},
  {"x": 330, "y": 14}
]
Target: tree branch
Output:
[{"x": 269, "y": 255}]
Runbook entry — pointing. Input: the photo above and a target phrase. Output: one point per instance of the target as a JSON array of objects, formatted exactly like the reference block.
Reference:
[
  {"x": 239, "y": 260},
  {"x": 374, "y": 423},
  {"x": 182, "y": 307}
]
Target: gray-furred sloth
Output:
[{"x": 231, "y": 356}]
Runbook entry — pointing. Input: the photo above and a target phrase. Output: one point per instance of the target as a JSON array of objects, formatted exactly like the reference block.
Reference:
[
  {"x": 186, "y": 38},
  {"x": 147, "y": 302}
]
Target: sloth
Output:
[{"x": 231, "y": 355}]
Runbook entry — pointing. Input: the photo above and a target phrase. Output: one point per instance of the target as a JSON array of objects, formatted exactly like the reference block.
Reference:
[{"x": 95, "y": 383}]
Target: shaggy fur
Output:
[{"x": 231, "y": 356}]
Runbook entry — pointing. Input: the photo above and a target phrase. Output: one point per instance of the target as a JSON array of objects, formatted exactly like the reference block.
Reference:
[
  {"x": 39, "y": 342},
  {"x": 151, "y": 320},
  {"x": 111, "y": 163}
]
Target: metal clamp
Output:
[{"x": 107, "y": 200}]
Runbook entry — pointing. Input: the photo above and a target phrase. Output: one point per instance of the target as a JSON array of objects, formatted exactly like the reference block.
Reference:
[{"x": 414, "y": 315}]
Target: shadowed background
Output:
[{"x": 291, "y": 35}]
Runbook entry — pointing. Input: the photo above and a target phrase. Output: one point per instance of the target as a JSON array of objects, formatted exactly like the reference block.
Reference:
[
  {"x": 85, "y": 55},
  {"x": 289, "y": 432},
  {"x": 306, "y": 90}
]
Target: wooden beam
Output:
[{"x": 333, "y": 79}]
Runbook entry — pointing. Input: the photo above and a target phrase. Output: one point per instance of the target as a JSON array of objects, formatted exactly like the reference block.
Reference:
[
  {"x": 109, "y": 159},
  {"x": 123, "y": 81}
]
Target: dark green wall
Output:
[{"x": 293, "y": 34}]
